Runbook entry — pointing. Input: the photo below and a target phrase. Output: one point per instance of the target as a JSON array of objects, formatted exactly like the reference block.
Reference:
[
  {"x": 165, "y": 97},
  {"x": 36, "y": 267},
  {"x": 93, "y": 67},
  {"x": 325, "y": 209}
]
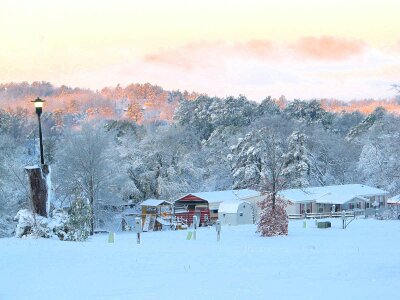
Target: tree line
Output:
[{"x": 210, "y": 144}]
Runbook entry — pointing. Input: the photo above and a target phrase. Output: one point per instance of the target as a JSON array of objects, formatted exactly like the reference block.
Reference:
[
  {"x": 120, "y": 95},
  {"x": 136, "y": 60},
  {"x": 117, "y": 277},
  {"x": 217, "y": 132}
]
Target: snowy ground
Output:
[{"x": 361, "y": 262}]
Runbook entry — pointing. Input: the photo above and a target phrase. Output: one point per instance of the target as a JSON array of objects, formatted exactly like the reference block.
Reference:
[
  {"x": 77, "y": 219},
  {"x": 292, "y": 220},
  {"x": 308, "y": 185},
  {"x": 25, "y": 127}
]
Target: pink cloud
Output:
[
  {"x": 190, "y": 56},
  {"x": 328, "y": 48},
  {"x": 210, "y": 54},
  {"x": 215, "y": 54},
  {"x": 256, "y": 48}
]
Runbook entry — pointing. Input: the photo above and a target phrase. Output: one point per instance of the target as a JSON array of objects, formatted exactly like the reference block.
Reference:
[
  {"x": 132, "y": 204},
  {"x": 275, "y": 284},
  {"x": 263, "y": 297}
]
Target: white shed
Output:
[{"x": 235, "y": 213}]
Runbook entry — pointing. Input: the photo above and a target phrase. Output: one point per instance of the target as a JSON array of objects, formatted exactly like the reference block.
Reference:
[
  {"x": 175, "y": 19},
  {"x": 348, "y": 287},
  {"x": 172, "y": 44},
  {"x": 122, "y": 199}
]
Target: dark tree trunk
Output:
[
  {"x": 39, "y": 194},
  {"x": 91, "y": 201}
]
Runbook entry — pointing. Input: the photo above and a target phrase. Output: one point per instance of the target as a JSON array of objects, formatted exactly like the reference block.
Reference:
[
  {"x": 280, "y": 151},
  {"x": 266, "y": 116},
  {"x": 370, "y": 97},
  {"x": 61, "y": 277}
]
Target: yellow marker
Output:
[{"x": 111, "y": 237}]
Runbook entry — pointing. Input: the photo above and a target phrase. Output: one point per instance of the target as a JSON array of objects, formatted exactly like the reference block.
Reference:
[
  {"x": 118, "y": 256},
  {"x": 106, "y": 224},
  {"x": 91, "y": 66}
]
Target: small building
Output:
[
  {"x": 235, "y": 213},
  {"x": 205, "y": 205},
  {"x": 334, "y": 198},
  {"x": 156, "y": 214}
]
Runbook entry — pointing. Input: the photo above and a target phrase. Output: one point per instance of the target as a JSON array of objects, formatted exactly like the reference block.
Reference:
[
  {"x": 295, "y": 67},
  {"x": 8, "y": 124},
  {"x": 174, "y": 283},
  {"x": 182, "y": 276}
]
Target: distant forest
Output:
[
  {"x": 138, "y": 142},
  {"x": 141, "y": 102}
]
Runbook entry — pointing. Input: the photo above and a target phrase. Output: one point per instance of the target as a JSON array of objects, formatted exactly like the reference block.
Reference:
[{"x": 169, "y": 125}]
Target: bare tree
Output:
[{"x": 86, "y": 165}]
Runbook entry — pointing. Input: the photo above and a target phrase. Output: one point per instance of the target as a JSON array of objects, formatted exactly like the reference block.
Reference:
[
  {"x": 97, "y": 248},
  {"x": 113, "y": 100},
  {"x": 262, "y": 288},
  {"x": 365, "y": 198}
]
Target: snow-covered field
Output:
[{"x": 361, "y": 262}]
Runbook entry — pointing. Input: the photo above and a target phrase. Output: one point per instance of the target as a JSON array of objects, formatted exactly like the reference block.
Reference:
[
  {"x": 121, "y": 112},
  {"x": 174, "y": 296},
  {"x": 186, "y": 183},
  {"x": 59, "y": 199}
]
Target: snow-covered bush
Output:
[
  {"x": 273, "y": 218},
  {"x": 72, "y": 226},
  {"x": 389, "y": 213},
  {"x": 30, "y": 224},
  {"x": 59, "y": 223},
  {"x": 79, "y": 223}
]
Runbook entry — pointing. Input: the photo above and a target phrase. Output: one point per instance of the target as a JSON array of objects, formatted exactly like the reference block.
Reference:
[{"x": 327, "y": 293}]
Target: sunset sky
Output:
[{"x": 298, "y": 48}]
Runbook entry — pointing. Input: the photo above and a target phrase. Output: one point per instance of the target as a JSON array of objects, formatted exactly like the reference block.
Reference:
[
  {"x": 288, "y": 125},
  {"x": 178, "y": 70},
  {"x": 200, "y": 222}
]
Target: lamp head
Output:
[{"x": 38, "y": 104}]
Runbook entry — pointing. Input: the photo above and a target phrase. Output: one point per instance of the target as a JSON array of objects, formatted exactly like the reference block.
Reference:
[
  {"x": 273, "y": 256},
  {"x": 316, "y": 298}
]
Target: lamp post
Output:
[{"x": 39, "y": 105}]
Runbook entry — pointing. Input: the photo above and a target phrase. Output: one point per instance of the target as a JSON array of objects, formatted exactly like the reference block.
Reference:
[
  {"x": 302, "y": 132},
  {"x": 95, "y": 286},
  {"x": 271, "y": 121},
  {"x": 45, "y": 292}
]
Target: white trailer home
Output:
[{"x": 334, "y": 198}]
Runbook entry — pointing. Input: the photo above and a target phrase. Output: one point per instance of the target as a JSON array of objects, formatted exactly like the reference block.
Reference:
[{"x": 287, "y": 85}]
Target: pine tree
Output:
[
  {"x": 297, "y": 163},
  {"x": 79, "y": 224}
]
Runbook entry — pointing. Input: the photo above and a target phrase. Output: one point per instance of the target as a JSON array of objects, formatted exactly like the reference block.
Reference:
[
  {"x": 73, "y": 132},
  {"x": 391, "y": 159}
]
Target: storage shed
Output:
[
  {"x": 156, "y": 214},
  {"x": 235, "y": 213}
]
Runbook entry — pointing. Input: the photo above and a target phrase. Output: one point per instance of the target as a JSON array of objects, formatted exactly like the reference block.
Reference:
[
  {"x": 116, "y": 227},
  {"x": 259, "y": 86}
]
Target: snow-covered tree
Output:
[
  {"x": 88, "y": 165},
  {"x": 248, "y": 159},
  {"x": 161, "y": 167},
  {"x": 268, "y": 107},
  {"x": 14, "y": 192},
  {"x": 79, "y": 221},
  {"x": 367, "y": 123},
  {"x": 308, "y": 112},
  {"x": 265, "y": 161},
  {"x": 297, "y": 162},
  {"x": 333, "y": 160}
]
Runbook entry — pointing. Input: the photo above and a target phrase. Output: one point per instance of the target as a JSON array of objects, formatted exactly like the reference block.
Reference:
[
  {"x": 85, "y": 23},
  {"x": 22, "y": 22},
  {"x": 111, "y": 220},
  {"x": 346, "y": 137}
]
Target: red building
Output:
[
  {"x": 205, "y": 205},
  {"x": 191, "y": 205}
]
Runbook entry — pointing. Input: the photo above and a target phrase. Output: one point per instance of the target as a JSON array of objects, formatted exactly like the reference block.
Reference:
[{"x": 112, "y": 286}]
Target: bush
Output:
[
  {"x": 273, "y": 219},
  {"x": 71, "y": 226},
  {"x": 59, "y": 223},
  {"x": 31, "y": 225}
]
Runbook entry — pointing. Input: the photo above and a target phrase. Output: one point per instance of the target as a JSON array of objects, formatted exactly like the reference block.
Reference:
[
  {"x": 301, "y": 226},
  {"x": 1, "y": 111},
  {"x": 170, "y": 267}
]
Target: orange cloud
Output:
[
  {"x": 328, "y": 48},
  {"x": 256, "y": 48},
  {"x": 210, "y": 54},
  {"x": 190, "y": 56},
  {"x": 214, "y": 54}
]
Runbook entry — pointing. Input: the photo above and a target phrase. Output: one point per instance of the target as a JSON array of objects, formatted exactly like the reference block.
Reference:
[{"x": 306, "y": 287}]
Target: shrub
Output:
[{"x": 273, "y": 218}]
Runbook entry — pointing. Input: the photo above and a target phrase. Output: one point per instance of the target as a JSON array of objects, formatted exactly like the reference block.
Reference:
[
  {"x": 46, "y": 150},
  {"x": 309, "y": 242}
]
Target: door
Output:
[{"x": 198, "y": 215}]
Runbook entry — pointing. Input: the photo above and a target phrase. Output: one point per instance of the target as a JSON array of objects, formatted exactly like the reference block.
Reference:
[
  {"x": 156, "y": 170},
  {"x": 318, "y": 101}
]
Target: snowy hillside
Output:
[{"x": 361, "y": 262}]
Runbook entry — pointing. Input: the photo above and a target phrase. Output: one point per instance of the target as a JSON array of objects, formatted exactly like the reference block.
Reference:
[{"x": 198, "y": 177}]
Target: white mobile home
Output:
[{"x": 334, "y": 198}]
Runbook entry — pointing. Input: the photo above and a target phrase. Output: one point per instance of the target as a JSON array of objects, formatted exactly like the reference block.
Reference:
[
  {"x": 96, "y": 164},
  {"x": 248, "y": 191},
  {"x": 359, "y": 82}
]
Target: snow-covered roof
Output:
[
  {"x": 223, "y": 196},
  {"x": 333, "y": 194},
  {"x": 230, "y": 207},
  {"x": 163, "y": 222},
  {"x": 154, "y": 202},
  {"x": 394, "y": 200}
]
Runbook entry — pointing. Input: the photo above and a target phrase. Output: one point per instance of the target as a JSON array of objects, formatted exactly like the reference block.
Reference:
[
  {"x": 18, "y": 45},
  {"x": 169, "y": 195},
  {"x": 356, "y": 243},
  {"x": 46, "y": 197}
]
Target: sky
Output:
[{"x": 301, "y": 49}]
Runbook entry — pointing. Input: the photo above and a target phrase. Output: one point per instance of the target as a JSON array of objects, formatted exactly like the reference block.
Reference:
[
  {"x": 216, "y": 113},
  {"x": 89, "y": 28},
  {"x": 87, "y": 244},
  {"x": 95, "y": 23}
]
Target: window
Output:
[
  {"x": 215, "y": 211},
  {"x": 240, "y": 214}
]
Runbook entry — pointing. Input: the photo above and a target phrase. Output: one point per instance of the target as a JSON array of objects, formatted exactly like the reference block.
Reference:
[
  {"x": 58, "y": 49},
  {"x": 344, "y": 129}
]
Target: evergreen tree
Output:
[
  {"x": 79, "y": 223},
  {"x": 297, "y": 163}
]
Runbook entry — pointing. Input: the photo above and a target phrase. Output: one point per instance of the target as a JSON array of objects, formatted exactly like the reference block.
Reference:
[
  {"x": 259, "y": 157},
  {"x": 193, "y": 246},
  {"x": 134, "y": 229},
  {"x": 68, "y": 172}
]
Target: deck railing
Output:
[{"x": 353, "y": 213}]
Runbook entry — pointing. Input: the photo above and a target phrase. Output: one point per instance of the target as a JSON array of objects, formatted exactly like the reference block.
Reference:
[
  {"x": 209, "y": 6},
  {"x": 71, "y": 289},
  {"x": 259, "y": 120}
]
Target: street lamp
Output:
[{"x": 39, "y": 105}]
